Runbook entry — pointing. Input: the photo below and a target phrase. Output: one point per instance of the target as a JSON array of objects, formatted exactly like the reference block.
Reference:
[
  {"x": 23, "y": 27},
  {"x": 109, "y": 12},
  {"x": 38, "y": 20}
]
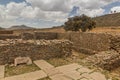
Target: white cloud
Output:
[
  {"x": 2, "y": 12},
  {"x": 50, "y": 10},
  {"x": 91, "y": 12},
  {"x": 115, "y": 9},
  {"x": 29, "y": 12},
  {"x": 88, "y": 7},
  {"x": 51, "y": 5},
  {"x": 14, "y": 9}
]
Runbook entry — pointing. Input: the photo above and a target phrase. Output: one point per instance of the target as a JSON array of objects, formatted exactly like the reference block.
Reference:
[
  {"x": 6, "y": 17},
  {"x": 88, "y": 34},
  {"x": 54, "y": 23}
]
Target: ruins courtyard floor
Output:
[
  {"x": 72, "y": 71},
  {"x": 70, "y": 68}
]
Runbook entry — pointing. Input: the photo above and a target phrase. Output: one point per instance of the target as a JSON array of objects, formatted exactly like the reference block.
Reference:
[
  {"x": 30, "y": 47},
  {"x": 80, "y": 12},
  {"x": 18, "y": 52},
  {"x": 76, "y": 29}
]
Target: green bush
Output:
[{"x": 82, "y": 22}]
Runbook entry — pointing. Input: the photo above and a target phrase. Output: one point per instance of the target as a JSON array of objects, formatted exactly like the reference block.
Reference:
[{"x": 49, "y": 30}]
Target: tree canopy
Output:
[{"x": 82, "y": 22}]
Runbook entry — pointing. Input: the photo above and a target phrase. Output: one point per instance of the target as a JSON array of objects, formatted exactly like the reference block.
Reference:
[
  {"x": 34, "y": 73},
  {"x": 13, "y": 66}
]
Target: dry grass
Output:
[
  {"x": 20, "y": 69},
  {"x": 75, "y": 58},
  {"x": 112, "y": 29},
  {"x": 58, "y": 62},
  {"x": 106, "y": 29}
]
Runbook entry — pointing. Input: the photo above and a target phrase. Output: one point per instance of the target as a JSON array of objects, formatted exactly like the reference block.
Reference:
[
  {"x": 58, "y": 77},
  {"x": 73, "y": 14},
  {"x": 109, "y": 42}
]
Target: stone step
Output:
[
  {"x": 42, "y": 64},
  {"x": 2, "y": 70}
]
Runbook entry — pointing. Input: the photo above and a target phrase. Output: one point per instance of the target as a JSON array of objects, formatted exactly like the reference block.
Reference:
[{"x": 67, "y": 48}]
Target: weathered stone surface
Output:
[
  {"x": 67, "y": 72},
  {"x": 21, "y": 60},
  {"x": 42, "y": 64},
  {"x": 70, "y": 67},
  {"x": 60, "y": 77},
  {"x": 9, "y": 36},
  {"x": 52, "y": 71},
  {"x": 89, "y": 43},
  {"x": 73, "y": 74},
  {"x": 27, "y": 36},
  {"x": 106, "y": 59},
  {"x": 38, "y": 49},
  {"x": 97, "y": 76},
  {"x": 6, "y": 32},
  {"x": 84, "y": 70},
  {"x": 45, "y": 35},
  {"x": 78, "y": 72},
  {"x": 2, "y": 71},
  {"x": 28, "y": 76},
  {"x": 115, "y": 42}
]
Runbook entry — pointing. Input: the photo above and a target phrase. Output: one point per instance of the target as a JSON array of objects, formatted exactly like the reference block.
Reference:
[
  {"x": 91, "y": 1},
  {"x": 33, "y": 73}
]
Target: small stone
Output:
[{"x": 21, "y": 60}]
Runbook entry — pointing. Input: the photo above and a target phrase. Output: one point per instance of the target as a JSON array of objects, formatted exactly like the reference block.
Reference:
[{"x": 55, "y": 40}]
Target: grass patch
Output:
[
  {"x": 58, "y": 62},
  {"x": 20, "y": 69},
  {"x": 64, "y": 61}
]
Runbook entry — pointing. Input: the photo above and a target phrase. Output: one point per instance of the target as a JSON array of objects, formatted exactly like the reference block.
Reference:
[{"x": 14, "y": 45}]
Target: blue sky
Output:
[
  {"x": 4, "y": 2},
  {"x": 48, "y": 13},
  {"x": 109, "y": 6}
]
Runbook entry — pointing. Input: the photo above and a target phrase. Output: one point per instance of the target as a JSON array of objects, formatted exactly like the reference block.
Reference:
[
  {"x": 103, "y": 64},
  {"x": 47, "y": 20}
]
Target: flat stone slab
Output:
[
  {"x": 70, "y": 67},
  {"x": 78, "y": 72},
  {"x": 97, "y": 76},
  {"x": 28, "y": 76},
  {"x": 71, "y": 70},
  {"x": 52, "y": 72},
  {"x": 42, "y": 64},
  {"x": 67, "y": 72},
  {"x": 84, "y": 70},
  {"x": 73, "y": 74},
  {"x": 2, "y": 70},
  {"x": 60, "y": 77}
]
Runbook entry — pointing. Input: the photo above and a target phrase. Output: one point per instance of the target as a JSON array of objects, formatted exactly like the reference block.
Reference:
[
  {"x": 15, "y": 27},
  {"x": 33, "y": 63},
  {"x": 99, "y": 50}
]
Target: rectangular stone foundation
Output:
[{"x": 38, "y": 49}]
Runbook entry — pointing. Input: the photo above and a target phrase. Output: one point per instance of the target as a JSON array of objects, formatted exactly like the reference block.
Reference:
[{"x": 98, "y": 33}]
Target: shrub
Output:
[{"x": 82, "y": 22}]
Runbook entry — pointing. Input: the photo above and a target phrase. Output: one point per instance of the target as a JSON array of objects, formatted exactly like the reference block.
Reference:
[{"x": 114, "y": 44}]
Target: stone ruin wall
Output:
[
  {"x": 89, "y": 43},
  {"x": 39, "y": 35},
  {"x": 106, "y": 45},
  {"x": 6, "y": 32},
  {"x": 38, "y": 49},
  {"x": 115, "y": 42},
  {"x": 84, "y": 42},
  {"x": 28, "y": 35},
  {"x": 108, "y": 60}
]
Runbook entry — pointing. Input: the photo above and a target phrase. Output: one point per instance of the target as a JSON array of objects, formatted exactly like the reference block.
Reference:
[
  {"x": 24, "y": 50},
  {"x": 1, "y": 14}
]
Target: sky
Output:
[{"x": 49, "y": 13}]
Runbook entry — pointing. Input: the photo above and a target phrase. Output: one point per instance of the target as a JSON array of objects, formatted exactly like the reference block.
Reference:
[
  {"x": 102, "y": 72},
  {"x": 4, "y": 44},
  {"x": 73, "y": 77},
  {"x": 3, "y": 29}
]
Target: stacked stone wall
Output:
[
  {"x": 89, "y": 43},
  {"x": 39, "y": 49}
]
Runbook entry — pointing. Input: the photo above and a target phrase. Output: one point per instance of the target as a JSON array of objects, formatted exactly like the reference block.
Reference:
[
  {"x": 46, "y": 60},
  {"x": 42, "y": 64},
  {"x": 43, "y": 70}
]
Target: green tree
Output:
[{"x": 82, "y": 22}]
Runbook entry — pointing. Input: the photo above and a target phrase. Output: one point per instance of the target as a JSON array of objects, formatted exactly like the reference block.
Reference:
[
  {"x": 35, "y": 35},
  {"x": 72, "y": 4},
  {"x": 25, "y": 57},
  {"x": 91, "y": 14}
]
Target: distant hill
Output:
[
  {"x": 1, "y": 28},
  {"x": 19, "y": 27},
  {"x": 108, "y": 20}
]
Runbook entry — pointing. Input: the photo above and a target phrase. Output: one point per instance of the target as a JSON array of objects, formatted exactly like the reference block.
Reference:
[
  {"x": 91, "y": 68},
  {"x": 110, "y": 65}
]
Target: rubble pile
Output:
[
  {"x": 107, "y": 59},
  {"x": 115, "y": 43}
]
